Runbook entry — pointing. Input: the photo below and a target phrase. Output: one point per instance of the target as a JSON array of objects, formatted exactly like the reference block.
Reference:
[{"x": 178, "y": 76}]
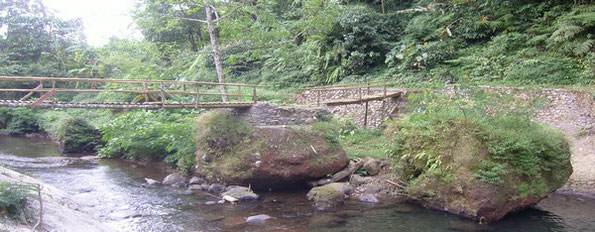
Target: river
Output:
[{"x": 114, "y": 190}]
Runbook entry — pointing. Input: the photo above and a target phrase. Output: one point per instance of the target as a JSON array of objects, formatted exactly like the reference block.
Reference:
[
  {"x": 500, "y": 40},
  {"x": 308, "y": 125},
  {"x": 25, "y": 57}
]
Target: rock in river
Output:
[
  {"x": 232, "y": 151},
  {"x": 328, "y": 196},
  {"x": 175, "y": 180},
  {"x": 258, "y": 218},
  {"x": 241, "y": 193}
]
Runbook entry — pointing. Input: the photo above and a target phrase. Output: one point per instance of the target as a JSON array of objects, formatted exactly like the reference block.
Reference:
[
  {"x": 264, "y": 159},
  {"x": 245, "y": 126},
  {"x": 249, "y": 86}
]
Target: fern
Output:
[
  {"x": 584, "y": 47},
  {"x": 565, "y": 32}
]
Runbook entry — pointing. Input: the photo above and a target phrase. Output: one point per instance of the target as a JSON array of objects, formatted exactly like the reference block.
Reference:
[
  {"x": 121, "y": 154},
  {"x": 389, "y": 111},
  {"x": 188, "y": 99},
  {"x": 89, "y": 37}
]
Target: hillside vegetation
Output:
[{"x": 288, "y": 44}]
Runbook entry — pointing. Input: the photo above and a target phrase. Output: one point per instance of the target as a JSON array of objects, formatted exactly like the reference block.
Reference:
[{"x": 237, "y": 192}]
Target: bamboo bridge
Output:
[
  {"x": 57, "y": 92},
  {"x": 99, "y": 93}
]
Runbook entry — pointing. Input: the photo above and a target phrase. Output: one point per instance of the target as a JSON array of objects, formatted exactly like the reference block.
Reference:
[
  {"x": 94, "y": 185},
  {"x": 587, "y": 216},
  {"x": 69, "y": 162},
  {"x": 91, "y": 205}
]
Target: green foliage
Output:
[
  {"x": 477, "y": 127},
  {"x": 14, "y": 197},
  {"x": 490, "y": 172},
  {"x": 19, "y": 121},
  {"x": 356, "y": 142},
  {"x": 151, "y": 135},
  {"x": 220, "y": 131}
]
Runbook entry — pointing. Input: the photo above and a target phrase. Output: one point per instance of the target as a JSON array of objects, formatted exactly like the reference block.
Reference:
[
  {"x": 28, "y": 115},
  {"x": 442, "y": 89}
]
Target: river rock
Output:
[
  {"x": 373, "y": 166},
  {"x": 210, "y": 203},
  {"x": 287, "y": 155},
  {"x": 175, "y": 180},
  {"x": 357, "y": 180},
  {"x": 258, "y": 218},
  {"x": 194, "y": 188},
  {"x": 368, "y": 198},
  {"x": 328, "y": 196},
  {"x": 205, "y": 187},
  {"x": 353, "y": 166},
  {"x": 326, "y": 221},
  {"x": 196, "y": 180},
  {"x": 241, "y": 193},
  {"x": 151, "y": 182},
  {"x": 216, "y": 188}
]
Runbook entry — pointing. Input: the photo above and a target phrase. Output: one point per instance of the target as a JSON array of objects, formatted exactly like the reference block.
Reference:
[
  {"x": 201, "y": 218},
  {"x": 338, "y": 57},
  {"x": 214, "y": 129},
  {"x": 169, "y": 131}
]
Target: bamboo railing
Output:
[{"x": 156, "y": 93}]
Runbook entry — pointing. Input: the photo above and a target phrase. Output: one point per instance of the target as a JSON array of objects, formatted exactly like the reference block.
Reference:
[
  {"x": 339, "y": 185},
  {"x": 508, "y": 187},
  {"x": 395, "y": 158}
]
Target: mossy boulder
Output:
[
  {"x": 233, "y": 152},
  {"x": 479, "y": 168},
  {"x": 329, "y": 196},
  {"x": 75, "y": 135}
]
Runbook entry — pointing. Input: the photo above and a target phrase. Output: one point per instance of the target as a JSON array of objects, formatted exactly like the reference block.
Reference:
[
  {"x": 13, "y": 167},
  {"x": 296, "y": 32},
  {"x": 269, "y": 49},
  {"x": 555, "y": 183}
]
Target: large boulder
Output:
[
  {"x": 231, "y": 151},
  {"x": 481, "y": 170}
]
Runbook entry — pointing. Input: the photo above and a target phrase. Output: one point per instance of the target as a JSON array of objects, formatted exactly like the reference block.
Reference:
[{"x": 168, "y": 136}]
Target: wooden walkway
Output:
[{"x": 40, "y": 92}]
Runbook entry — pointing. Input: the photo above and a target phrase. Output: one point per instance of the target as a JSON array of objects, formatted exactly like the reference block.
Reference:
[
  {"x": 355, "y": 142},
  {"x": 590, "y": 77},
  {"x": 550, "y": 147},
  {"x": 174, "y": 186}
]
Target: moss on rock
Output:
[
  {"x": 231, "y": 151},
  {"x": 478, "y": 167}
]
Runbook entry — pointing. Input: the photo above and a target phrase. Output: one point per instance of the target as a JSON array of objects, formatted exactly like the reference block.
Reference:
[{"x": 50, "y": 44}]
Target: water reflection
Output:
[{"x": 114, "y": 190}]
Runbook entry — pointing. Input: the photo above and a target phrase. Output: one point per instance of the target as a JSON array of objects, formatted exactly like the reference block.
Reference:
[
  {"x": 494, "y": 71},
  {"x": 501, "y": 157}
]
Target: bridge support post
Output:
[{"x": 254, "y": 97}]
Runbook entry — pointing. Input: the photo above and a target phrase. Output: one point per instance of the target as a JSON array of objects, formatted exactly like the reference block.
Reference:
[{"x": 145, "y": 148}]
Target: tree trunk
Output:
[{"x": 215, "y": 45}]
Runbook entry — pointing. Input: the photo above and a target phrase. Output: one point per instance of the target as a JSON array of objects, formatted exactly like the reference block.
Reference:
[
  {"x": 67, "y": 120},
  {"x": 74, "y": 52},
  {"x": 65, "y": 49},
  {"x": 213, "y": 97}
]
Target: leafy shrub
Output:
[
  {"x": 407, "y": 55},
  {"x": 151, "y": 135},
  {"x": 19, "y": 121},
  {"x": 14, "y": 196}
]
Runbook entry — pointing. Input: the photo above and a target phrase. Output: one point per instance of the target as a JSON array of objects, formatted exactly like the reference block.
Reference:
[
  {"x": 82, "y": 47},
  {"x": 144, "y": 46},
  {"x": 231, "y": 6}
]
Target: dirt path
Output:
[{"x": 573, "y": 113}]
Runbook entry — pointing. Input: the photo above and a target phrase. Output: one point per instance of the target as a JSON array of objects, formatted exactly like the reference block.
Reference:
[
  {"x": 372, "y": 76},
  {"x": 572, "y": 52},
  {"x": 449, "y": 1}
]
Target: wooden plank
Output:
[
  {"x": 346, "y": 101},
  {"x": 43, "y": 98},
  {"x": 32, "y": 92}
]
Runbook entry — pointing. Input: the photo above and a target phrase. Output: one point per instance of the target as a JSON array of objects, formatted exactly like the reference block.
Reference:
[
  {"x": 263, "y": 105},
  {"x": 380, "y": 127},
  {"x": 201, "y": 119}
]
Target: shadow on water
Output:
[{"x": 114, "y": 190}]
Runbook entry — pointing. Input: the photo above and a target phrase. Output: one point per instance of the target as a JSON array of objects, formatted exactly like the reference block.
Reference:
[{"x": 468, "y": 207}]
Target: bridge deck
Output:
[
  {"x": 124, "y": 105},
  {"x": 366, "y": 98}
]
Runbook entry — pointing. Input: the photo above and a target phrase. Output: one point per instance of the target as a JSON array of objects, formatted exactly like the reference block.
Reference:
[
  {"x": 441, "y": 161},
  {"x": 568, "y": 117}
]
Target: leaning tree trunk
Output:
[{"x": 215, "y": 45}]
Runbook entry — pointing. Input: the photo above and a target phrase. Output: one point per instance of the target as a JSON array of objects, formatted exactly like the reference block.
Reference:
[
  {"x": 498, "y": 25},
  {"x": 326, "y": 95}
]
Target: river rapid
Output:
[{"x": 114, "y": 190}]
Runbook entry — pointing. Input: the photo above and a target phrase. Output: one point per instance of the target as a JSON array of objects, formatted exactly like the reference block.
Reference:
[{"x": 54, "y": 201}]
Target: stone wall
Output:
[{"x": 267, "y": 114}]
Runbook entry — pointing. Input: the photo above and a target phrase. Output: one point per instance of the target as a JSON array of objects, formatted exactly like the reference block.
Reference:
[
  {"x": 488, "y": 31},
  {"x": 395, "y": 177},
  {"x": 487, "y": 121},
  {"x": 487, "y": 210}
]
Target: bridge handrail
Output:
[
  {"x": 125, "y": 81},
  {"x": 336, "y": 87}
]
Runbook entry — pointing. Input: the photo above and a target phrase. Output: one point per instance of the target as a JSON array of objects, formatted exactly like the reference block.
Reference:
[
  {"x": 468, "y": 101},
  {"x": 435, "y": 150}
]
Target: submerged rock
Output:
[
  {"x": 258, "y": 218},
  {"x": 328, "y": 196},
  {"x": 175, "y": 180},
  {"x": 231, "y": 151},
  {"x": 241, "y": 193}
]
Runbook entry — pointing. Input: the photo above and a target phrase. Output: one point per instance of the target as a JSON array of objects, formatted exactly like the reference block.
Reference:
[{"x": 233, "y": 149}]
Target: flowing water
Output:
[{"x": 114, "y": 190}]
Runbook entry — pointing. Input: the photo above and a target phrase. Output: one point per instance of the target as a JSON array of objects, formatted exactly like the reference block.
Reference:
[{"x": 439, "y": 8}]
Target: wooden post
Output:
[
  {"x": 240, "y": 90},
  {"x": 317, "y": 97},
  {"x": 197, "y": 99},
  {"x": 254, "y": 98},
  {"x": 360, "y": 93},
  {"x": 146, "y": 92},
  {"x": 384, "y": 86},
  {"x": 368, "y": 85},
  {"x": 53, "y": 84},
  {"x": 366, "y": 117},
  {"x": 162, "y": 95}
]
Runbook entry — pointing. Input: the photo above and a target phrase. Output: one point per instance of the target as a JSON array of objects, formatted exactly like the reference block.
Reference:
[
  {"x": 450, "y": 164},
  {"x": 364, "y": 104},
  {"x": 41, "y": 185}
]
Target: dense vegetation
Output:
[
  {"x": 440, "y": 134},
  {"x": 290, "y": 44}
]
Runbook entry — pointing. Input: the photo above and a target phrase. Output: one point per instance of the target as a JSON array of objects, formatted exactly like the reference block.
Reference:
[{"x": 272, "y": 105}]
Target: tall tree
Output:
[{"x": 210, "y": 11}]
